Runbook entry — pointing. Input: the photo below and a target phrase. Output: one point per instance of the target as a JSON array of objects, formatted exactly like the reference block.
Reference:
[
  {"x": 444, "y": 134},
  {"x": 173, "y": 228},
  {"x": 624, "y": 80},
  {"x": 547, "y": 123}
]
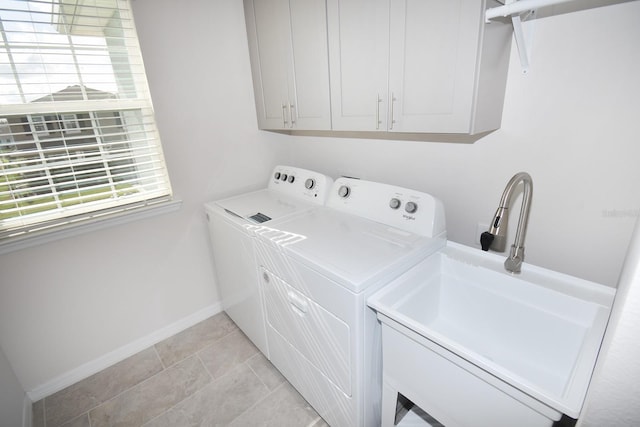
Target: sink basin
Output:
[{"x": 539, "y": 331}]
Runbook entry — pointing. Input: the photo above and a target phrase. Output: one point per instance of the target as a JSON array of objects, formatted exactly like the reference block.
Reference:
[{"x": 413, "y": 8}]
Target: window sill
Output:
[{"x": 86, "y": 226}]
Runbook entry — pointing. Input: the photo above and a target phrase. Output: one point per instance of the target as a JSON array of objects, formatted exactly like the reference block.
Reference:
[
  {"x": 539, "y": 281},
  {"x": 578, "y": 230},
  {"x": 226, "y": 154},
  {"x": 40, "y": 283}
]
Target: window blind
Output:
[{"x": 77, "y": 132}]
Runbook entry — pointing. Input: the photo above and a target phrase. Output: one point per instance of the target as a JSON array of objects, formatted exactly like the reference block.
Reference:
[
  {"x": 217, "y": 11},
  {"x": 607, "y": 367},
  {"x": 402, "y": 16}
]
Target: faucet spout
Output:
[{"x": 496, "y": 237}]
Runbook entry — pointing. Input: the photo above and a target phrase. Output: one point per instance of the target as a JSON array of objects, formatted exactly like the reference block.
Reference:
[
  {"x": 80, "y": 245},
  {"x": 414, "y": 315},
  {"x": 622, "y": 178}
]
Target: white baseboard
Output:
[
  {"x": 86, "y": 370},
  {"x": 27, "y": 411}
]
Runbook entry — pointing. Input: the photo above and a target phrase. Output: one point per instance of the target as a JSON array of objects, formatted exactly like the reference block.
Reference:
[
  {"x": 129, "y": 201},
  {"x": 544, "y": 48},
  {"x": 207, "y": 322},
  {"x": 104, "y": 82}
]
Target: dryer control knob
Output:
[
  {"x": 283, "y": 177},
  {"x": 344, "y": 191},
  {"x": 276, "y": 175},
  {"x": 394, "y": 203},
  {"x": 291, "y": 179},
  {"x": 309, "y": 184},
  {"x": 411, "y": 207}
]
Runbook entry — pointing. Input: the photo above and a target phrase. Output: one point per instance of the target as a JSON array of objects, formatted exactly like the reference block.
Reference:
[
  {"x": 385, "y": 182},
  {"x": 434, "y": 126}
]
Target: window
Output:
[
  {"x": 40, "y": 126},
  {"x": 77, "y": 134},
  {"x": 70, "y": 123},
  {"x": 6, "y": 139}
]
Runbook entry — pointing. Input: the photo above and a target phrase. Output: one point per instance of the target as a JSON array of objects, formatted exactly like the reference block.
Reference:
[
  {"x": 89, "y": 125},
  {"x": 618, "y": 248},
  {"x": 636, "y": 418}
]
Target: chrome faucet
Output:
[{"x": 496, "y": 237}]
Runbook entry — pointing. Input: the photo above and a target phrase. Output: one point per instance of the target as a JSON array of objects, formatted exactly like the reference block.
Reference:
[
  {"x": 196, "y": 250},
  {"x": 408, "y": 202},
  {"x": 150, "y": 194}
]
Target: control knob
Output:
[
  {"x": 276, "y": 175},
  {"x": 283, "y": 177},
  {"x": 309, "y": 184},
  {"x": 411, "y": 207},
  {"x": 344, "y": 191},
  {"x": 394, "y": 203},
  {"x": 291, "y": 179}
]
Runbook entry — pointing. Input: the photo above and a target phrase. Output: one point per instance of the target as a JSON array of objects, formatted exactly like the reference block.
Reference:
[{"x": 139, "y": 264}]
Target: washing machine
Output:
[
  {"x": 290, "y": 191},
  {"x": 317, "y": 270}
]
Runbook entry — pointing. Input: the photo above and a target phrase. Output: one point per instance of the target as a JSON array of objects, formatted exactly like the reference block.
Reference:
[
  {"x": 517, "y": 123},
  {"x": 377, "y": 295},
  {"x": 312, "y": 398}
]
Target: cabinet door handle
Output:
[
  {"x": 393, "y": 100},
  {"x": 378, "y": 101},
  {"x": 284, "y": 115},
  {"x": 292, "y": 114}
]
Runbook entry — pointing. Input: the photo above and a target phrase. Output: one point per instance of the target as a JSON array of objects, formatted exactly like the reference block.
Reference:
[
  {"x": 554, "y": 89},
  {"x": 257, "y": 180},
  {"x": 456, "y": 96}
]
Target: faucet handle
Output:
[{"x": 513, "y": 263}]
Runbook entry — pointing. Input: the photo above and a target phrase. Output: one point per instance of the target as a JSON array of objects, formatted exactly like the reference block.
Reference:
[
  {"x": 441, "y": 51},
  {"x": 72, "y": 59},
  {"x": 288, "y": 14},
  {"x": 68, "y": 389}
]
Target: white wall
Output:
[
  {"x": 614, "y": 393},
  {"x": 571, "y": 123},
  {"x": 73, "y": 301},
  {"x": 11, "y": 395}
]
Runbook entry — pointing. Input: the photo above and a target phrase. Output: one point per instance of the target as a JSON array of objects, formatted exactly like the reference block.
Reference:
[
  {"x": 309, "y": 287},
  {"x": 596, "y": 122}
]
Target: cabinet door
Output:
[
  {"x": 433, "y": 55},
  {"x": 359, "y": 55},
  {"x": 289, "y": 63},
  {"x": 269, "y": 46},
  {"x": 309, "y": 81}
]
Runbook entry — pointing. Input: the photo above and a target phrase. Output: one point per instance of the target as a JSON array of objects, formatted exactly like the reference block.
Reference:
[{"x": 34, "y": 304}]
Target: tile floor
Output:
[{"x": 207, "y": 375}]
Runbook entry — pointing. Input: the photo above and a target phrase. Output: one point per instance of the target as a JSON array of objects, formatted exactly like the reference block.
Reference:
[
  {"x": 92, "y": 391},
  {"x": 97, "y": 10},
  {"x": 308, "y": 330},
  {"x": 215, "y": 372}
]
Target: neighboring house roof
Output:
[{"x": 74, "y": 93}]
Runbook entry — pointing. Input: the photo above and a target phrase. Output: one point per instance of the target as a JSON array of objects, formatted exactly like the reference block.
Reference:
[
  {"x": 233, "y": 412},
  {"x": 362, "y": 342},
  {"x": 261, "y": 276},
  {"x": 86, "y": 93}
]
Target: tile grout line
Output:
[
  {"x": 204, "y": 365},
  {"x": 155, "y": 349},
  {"x": 244, "y": 362},
  {"x": 235, "y": 329},
  {"x": 213, "y": 380},
  {"x": 134, "y": 386},
  {"x": 130, "y": 388},
  {"x": 88, "y": 412},
  {"x": 256, "y": 374},
  {"x": 195, "y": 354},
  {"x": 198, "y": 352},
  {"x": 259, "y": 400}
]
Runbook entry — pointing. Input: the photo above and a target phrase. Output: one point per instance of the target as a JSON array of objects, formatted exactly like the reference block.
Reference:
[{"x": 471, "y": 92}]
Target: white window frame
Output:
[
  {"x": 71, "y": 150},
  {"x": 40, "y": 126},
  {"x": 70, "y": 123}
]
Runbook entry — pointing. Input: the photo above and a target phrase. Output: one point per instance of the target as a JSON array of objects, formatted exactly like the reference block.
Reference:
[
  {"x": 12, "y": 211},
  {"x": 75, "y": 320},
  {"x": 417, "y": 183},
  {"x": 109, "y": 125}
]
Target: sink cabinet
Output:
[
  {"x": 474, "y": 345},
  {"x": 448, "y": 388},
  {"x": 425, "y": 66},
  {"x": 289, "y": 63}
]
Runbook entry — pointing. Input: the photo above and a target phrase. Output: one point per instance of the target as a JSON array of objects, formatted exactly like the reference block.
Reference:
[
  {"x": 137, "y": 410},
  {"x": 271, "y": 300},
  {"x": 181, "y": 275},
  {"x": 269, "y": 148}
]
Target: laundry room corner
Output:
[{"x": 70, "y": 306}]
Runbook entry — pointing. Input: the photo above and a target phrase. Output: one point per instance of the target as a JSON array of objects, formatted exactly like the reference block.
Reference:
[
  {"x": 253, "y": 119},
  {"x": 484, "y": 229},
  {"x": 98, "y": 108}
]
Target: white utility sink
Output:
[{"x": 539, "y": 331}]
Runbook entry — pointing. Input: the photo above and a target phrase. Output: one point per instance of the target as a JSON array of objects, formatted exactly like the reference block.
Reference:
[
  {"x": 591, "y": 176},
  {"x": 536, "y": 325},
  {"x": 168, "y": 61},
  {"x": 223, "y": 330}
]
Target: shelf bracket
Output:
[
  {"x": 523, "y": 41},
  {"x": 519, "y": 11}
]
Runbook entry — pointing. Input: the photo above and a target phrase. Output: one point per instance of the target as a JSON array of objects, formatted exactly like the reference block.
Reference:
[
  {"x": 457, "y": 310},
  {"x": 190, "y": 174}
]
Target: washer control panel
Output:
[
  {"x": 299, "y": 182},
  {"x": 403, "y": 208}
]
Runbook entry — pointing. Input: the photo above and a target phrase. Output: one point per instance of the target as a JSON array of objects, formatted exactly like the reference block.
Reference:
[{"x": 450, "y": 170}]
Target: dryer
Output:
[
  {"x": 317, "y": 270},
  {"x": 290, "y": 191}
]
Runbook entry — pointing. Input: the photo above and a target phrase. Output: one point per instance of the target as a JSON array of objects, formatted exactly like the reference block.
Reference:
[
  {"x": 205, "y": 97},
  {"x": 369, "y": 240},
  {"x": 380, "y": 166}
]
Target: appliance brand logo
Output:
[{"x": 409, "y": 217}]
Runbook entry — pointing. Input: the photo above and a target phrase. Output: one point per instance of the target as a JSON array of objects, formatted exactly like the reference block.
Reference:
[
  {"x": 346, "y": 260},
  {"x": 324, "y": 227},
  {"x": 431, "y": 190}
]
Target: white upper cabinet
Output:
[
  {"x": 289, "y": 62},
  {"x": 359, "y": 58},
  {"x": 428, "y": 66}
]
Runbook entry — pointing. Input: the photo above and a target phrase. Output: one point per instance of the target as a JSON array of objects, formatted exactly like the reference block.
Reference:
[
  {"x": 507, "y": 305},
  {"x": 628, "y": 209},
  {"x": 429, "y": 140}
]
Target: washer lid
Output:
[
  {"x": 349, "y": 249},
  {"x": 262, "y": 205}
]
